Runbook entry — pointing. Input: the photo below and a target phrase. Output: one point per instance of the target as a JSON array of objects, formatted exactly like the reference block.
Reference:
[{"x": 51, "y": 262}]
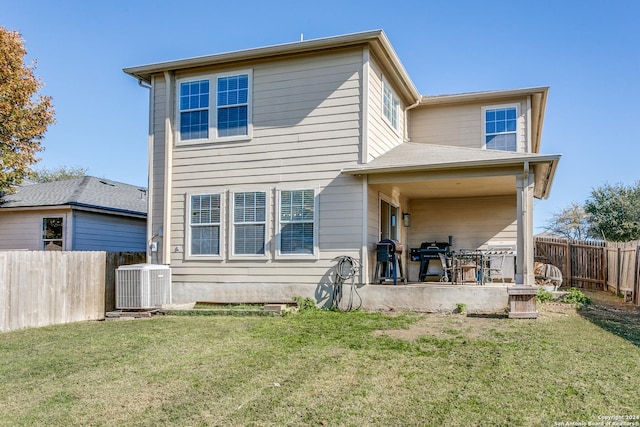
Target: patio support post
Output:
[{"x": 524, "y": 258}]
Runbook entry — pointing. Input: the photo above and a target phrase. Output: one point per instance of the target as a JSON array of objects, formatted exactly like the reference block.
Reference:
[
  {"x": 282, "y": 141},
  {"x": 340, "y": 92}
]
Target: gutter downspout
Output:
[
  {"x": 168, "y": 166},
  {"x": 150, "y": 191},
  {"x": 407, "y": 138},
  {"x": 364, "y": 155}
]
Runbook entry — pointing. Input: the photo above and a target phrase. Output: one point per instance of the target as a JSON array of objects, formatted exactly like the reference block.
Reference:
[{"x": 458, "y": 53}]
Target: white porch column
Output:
[{"x": 524, "y": 258}]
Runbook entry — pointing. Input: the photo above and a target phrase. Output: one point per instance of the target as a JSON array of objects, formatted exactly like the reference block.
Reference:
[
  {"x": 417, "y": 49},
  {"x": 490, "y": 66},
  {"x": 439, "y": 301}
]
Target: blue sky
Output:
[{"x": 587, "y": 51}]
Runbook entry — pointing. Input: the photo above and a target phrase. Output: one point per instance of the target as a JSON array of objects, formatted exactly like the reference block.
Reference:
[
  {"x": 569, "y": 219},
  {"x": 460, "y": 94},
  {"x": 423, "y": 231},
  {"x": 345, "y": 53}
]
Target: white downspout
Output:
[
  {"x": 364, "y": 144},
  {"x": 150, "y": 160},
  {"x": 407, "y": 137},
  {"x": 168, "y": 166}
]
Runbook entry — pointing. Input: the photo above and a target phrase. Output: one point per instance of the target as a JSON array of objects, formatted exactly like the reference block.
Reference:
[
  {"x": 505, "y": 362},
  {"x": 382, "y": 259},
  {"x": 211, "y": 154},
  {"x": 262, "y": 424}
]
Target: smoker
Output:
[
  {"x": 434, "y": 258},
  {"x": 388, "y": 262}
]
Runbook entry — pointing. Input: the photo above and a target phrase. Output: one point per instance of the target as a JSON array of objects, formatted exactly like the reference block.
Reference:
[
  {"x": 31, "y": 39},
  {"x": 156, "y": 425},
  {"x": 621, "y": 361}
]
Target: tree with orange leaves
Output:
[{"x": 24, "y": 116}]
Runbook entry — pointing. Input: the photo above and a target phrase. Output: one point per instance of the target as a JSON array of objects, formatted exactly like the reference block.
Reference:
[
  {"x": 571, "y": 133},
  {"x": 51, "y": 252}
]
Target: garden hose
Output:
[{"x": 347, "y": 268}]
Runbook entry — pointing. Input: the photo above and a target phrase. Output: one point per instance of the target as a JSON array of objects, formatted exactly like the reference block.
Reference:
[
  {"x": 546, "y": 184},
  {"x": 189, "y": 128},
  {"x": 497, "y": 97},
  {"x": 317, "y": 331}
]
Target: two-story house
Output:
[{"x": 267, "y": 164}]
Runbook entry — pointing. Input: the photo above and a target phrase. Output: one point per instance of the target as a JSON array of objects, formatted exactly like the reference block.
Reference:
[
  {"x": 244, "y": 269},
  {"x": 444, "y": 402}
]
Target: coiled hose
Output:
[{"x": 347, "y": 268}]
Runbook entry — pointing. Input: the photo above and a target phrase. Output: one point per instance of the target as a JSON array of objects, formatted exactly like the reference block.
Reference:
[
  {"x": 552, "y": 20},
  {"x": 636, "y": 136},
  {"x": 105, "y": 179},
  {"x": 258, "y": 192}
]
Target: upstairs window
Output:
[
  {"x": 249, "y": 223},
  {"x": 233, "y": 105},
  {"x": 297, "y": 222},
  {"x": 500, "y": 128},
  {"x": 194, "y": 110},
  {"x": 215, "y": 107},
  {"x": 205, "y": 213},
  {"x": 390, "y": 105}
]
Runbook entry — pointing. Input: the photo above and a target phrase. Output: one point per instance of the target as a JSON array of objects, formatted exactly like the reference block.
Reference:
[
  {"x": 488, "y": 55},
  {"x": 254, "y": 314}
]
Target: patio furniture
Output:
[
  {"x": 468, "y": 266},
  {"x": 493, "y": 265}
]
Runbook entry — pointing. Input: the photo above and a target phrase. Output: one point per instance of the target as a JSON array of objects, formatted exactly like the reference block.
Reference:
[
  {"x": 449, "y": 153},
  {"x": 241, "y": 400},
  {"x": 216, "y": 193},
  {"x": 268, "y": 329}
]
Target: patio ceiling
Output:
[{"x": 454, "y": 187}]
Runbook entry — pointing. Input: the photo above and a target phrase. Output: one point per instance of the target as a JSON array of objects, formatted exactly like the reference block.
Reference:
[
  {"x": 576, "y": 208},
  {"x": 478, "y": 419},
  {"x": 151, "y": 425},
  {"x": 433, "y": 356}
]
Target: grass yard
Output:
[{"x": 328, "y": 368}]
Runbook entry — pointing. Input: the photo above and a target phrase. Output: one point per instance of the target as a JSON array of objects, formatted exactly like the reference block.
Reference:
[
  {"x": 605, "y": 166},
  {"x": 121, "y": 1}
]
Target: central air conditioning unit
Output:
[{"x": 143, "y": 286}]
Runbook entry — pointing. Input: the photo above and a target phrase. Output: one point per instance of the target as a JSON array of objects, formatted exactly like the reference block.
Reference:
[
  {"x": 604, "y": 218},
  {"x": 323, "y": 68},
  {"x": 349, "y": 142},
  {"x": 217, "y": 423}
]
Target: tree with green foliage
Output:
[
  {"x": 24, "y": 117},
  {"x": 571, "y": 222},
  {"x": 58, "y": 174},
  {"x": 614, "y": 212}
]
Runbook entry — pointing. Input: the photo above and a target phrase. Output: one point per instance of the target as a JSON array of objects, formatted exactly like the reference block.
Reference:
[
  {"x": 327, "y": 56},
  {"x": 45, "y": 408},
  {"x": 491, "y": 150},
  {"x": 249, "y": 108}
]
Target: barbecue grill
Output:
[{"x": 438, "y": 252}]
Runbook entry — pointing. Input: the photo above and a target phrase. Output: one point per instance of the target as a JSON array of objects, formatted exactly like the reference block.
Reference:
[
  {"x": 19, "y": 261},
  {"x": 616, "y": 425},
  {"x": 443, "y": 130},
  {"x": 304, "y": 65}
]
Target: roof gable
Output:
[{"x": 376, "y": 40}]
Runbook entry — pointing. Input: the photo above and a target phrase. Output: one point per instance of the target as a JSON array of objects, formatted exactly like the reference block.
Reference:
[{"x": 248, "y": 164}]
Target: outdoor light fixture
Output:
[{"x": 406, "y": 219}]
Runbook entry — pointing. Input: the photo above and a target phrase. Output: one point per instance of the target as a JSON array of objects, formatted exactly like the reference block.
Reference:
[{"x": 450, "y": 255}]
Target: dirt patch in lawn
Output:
[{"x": 606, "y": 310}]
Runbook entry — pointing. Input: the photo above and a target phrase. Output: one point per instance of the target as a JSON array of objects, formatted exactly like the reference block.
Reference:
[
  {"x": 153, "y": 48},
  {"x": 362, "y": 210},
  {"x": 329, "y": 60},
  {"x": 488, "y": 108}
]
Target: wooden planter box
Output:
[{"x": 522, "y": 302}]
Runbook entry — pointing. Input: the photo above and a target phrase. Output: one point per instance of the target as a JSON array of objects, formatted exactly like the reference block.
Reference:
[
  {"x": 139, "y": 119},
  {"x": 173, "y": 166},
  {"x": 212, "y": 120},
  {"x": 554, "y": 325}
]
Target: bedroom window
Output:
[
  {"x": 204, "y": 223},
  {"x": 233, "y": 105},
  {"x": 249, "y": 223},
  {"x": 501, "y": 128},
  {"x": 194, "y": 110},
  {"x": 215, "y": 107},
  {"x": 390, "y": 105},
  {"x": 52, "y": 232},
  {"x": 297, "y": 222}
]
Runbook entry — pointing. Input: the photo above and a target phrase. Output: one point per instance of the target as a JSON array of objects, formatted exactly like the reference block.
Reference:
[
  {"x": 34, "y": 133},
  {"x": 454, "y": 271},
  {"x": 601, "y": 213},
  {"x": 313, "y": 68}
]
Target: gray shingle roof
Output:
[{"x": 88, "y": 191}]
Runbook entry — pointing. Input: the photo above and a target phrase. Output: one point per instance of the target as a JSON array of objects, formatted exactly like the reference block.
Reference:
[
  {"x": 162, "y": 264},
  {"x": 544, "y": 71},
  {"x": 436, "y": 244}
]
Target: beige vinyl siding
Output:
[
  {"x": 23, "y": 229},
  {"x": 306, "y": 127},
  {"x": 459, "y": 125},
  {"x": 382, "y": 137}
]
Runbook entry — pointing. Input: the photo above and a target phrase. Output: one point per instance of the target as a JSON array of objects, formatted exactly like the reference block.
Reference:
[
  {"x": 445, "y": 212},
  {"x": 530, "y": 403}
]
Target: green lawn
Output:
[{"x": 327, "y": 368}]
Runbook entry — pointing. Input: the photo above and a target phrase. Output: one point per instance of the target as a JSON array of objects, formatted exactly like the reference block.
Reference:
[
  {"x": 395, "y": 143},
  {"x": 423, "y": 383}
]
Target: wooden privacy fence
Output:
[
  {"x": 597, "y": 265},
  {"x": 43, "y": 288}
]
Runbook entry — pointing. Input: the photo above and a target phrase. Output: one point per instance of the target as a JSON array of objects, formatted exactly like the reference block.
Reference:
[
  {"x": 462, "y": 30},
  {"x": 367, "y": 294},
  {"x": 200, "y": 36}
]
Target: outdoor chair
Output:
[{"x": 494, "y": 266}]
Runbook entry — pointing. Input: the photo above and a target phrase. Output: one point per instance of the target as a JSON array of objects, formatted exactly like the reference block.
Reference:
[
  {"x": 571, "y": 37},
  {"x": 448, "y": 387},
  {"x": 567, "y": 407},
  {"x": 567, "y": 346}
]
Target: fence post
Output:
[
  {"x": 618, "y": 276},
  {"x": 569, "y": 252}
]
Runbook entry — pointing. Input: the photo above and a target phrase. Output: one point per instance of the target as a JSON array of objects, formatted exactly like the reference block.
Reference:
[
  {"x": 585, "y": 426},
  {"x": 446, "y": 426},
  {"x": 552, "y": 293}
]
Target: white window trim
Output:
[
  {"x": 267, "y": 222},
  {"x": 213, "y": 108},
  {"x": 187, "y": 240},
  {"x": 518, "y": 123},
  {"x": 385, "y": 84},
  {"x": 314, "y": 255}
]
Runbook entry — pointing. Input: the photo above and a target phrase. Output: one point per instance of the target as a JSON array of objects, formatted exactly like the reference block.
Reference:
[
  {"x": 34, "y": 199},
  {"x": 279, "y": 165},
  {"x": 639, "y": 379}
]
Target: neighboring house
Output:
[
  {"x": 81, "y": 214},
  {"x": 267, "y": 164}
]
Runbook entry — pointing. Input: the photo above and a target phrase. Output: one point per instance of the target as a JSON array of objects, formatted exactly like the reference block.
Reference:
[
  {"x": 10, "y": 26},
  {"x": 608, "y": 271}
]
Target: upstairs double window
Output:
[
  {"x": 501, "y": 124},
  {"x": 215, "y": 107}
]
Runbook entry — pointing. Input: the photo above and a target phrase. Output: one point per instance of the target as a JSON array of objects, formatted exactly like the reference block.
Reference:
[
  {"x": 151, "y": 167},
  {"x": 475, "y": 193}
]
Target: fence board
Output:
[
  {"x": 115, "y": 260},
  {"x": 598, "y": 265},
  {"x": 42, "y": 288}
]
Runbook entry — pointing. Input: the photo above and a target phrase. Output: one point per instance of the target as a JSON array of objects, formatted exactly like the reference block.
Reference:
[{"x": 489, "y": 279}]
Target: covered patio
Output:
[{"x": 476, "y": 199}]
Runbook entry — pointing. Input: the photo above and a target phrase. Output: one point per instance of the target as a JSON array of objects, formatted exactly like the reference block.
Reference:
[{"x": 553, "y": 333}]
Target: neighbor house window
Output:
[
  {"x": 52, "y": 232},
  {"x": 216, "y": 107},
  {"x": 204, "y": 223},
  {"x": 297, "y": 222},
  {"x": 390, "y": 105},
  {"x": 500, "y": 128},
  {"x": 249, "y": 223}
]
